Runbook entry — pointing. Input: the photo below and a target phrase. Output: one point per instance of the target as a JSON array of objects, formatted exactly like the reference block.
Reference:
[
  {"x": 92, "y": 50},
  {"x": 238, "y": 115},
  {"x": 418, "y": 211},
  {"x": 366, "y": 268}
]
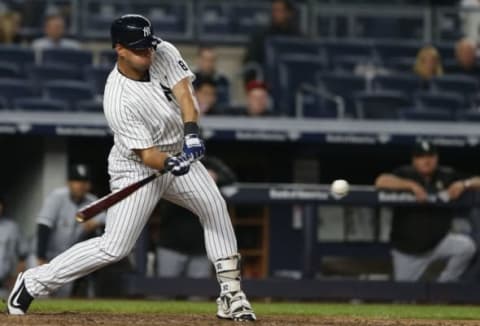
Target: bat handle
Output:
[{"x": 80, "y": 217}]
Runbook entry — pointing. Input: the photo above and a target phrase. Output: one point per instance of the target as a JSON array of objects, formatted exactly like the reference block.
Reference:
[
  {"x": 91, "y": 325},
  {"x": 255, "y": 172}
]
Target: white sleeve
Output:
[
  {"x": 174, "y": 65},
  {"x": 49, "y": 212},
  {"x": 129, "y": 129}
]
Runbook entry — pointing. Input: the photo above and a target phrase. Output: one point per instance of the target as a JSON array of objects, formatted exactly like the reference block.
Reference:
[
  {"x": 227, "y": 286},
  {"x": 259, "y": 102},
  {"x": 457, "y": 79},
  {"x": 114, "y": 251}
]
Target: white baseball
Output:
[{"x": 339, "y": 188}]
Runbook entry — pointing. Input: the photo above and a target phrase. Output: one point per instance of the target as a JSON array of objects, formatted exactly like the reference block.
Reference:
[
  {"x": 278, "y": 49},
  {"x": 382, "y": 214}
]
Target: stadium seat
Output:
[
  {"x": 51, "y": 71},
  {"x": 348, "y": 63},
  {"x": 468, "y": 86},
  {"x": 17, "y": 55},
  {"x": 407, "y": 83},
  {"x": 98, "y": 76},
  {"x": 470, "y": 115},
  {"x": 247, "y": 19},
  {"x": 338, "y": 48},
  {"x": 69, "y": 90},
  {"x": 317, "y": 106},
  {"x": 388, "y": 50},
  {"x": 431, "y": 114},
  {"x": 76, "y": 58},
  {"x": 344, "y": 85},
  {"x": 39, "y": 104},
  {"x": 9, "y": 70},
  {"x": 406, "y": 28},
  {"x": 214, "y": 21},
  {"x": 11, "y": 88},
  {"x": 294, "y": 70},
  {"x": 447, "y": 51},
  {"x": 403, "y": 65},
  {"x": 380, "y": 105},
  {"x": 90, "y": 106},
  {"x": 3, "y": 103},
  {"x": 446, "y": 100}
]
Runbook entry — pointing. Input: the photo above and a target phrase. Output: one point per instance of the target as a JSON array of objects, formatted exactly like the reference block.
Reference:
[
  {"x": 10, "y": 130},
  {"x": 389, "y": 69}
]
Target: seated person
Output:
[
  {"x": 54, "y": 35},
  {"x": 259, "y": 102},
  {"x": 421, "y": 235},
  {"x": 428, "y": 65},
  {"x": 465, "y": 56},
  {"x": 207, "y": 68},
  {"x": 206, "y": 94}
]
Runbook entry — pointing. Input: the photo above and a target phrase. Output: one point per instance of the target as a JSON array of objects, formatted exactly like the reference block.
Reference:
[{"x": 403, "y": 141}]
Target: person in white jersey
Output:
[{"x": 150, "y": 107}]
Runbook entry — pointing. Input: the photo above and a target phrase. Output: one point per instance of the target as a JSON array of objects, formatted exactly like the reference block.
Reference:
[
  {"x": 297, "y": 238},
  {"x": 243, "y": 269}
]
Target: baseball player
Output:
[
  {"x": 150, "y": 107},
  {"x": 13, "y": 249},
  {"x": 57, "y": 230}
]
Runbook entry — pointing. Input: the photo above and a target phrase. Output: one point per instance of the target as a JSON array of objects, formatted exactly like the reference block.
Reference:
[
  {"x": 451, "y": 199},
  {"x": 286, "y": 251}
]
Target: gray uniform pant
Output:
[
  {"x": 171, "y": 263},
  {"x": 458, "y": 249}
]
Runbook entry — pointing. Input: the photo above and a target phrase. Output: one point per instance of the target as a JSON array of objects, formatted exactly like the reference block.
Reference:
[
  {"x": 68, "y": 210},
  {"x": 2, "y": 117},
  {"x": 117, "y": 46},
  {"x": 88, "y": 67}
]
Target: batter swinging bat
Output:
[{"x": 111, "y": 199}]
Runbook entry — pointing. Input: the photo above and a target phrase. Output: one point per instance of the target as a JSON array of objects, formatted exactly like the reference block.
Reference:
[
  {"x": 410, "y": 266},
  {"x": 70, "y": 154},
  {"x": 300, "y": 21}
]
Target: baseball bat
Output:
[{"x": 111, "y": 199}]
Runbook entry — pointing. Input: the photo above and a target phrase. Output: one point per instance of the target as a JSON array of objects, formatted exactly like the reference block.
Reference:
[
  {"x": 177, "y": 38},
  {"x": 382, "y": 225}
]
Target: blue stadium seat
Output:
[
  {"x": 468, "y": 86},
  {"x": 214, "y": 20},
  {"x": 3, "y": 103},
  {"x": 348, "y": 63},
  {"x": 380, "y": 105},
  {"x": 51, "y": 71},
  {"x": 69, "y": 90},
  {"x": 447, "y": 51},
  {"x": 349, "y": 48},
  {"x": 98, "y": 76},
  {"x": 247, "y": 19},
  {"x": 405, "y": 28},
  {"x": 277, "y": 47},
  {"x": 344, "y": 85},
  {"x": 431, "y": 114},
  {"x": 16, "y": 55},
  {"x": 90, "y": 106},
  {"x": 449, "y": 101},
  {"x": 388, "y": 50},
  {"x": 11, "y": 88},
  {"x": 403, "y": 65},
  {"x": 9, "y": 70},
  {"x": 76, "y": 58},
  {"x": 470, "y": 115},
  {"x": 39, "y": 104},
  {"x": 407, "y": 83},
  {"x": 317, "y": 106},
  {"x": 294, "y": 70}
]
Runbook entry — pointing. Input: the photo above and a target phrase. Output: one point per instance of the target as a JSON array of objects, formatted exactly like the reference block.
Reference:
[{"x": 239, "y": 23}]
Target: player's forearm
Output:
[
  {"x": 152, "y": 157},
  {"x": 392, "y": 182},
  {"x": 472, "y": 183},
  {"x": 184, "y": 95}
]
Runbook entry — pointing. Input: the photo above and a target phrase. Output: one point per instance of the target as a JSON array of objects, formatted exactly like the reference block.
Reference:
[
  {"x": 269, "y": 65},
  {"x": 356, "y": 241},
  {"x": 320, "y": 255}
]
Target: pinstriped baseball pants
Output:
[{"x": 195, "y": 191}]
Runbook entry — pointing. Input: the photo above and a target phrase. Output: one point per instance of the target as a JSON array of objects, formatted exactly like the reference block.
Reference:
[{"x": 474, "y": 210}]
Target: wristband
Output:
[
  {"x": 467, "y": 183},
  {"x": 190, "y": 127}
]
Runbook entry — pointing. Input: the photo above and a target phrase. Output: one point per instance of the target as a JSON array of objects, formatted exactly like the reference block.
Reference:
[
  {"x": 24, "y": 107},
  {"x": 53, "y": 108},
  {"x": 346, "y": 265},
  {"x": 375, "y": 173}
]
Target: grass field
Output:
[{"x": 141, "y": 312}]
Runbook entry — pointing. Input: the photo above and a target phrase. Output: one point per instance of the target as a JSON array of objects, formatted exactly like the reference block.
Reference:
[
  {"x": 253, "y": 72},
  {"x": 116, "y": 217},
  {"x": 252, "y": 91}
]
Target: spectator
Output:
[
  {"x": 13, "y": 250},
  {"x": 207, "y": 68},
  {"x": 421, "y": 235},
  {"x": 466, "y": 58},
  {"x": 180, "y": 249},
  {"x": 57, "y": 227},
  {"x": 54, "y": 30},
  {"x": 282, "y": 24},
  {"x": 10, "y": 28},
  {"x": 428, "y": 64},
  {"x": 206, "y": 94},
  {"x": 258, "y": 100}
]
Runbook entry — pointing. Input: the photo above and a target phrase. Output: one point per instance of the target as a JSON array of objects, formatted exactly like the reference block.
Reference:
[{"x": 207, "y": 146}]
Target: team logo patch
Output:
[{"x": 146, "y": 31}]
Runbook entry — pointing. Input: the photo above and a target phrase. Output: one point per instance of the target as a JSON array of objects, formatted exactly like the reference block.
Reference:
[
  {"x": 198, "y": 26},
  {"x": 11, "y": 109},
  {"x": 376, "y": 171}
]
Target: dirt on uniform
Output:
[{"x": 94, "y": 319}]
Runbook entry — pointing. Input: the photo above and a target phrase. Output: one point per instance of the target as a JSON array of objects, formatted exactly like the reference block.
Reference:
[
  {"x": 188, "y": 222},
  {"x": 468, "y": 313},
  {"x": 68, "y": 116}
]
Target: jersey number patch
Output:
[{"x": 183, "y": 65}]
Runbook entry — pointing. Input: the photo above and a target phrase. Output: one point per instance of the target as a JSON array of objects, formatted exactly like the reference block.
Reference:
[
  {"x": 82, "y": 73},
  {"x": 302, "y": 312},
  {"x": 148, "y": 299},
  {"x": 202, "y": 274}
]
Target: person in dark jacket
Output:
[{"x": 422, "y": 234}]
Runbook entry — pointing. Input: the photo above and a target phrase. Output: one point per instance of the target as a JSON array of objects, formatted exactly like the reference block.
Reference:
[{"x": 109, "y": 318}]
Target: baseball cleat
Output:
[
  {"x": 19, "y": 299},
  {"x": 235, "y": 306}
]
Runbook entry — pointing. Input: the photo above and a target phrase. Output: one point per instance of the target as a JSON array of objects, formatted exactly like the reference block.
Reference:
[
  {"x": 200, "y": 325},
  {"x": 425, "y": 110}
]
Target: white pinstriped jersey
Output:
[{"x": 144, "y": 114}]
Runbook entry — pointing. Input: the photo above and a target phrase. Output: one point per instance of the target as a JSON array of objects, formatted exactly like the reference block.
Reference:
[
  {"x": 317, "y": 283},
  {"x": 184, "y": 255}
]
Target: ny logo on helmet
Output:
[{"x": 146, "y": 31}]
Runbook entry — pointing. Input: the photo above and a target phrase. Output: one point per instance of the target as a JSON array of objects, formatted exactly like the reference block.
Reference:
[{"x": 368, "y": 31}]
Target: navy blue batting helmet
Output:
[{"x": 133, "y": 31}]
